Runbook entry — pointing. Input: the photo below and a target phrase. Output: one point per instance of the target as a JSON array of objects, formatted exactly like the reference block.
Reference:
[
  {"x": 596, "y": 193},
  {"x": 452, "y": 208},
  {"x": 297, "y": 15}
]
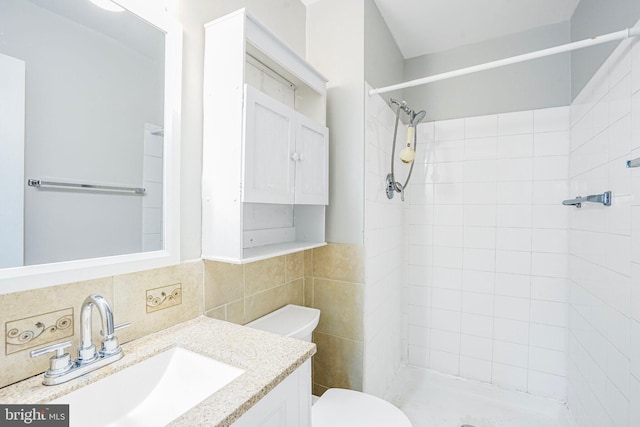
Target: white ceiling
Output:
[{"x": 427, "y": 26}]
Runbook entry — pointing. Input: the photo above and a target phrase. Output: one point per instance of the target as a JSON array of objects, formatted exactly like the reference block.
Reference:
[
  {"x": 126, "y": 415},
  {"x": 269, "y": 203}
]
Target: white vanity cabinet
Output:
[
  {"x": 287, "y": 405},
  {"x": 265, "y": 145},
  {"x": 286, "y": 157}
]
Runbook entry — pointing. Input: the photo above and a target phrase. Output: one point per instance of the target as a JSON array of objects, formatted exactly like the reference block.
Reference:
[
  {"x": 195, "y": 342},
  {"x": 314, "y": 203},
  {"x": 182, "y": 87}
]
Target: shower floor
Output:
[{"x": 432, "y": 399}]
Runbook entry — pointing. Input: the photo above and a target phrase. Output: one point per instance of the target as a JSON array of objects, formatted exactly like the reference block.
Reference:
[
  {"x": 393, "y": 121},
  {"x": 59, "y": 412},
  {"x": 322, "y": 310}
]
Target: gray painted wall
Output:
[
  {"x": 594, "y": 18},
  {"x": 383, "y": 61},
  {"x": 349, "y": 43},
  {"x": 335, "y": 46},
  {"x": 534, "y": 84}
]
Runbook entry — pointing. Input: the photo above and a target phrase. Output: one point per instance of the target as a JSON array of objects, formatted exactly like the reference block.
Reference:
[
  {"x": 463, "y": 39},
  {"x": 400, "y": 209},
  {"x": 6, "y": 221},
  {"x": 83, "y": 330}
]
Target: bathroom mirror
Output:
[{"x": 89, "y": 131}]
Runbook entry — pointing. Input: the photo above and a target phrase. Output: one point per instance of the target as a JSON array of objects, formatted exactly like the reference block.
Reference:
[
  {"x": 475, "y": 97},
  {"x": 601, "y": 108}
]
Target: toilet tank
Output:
[{"x": 291, "y": 321}]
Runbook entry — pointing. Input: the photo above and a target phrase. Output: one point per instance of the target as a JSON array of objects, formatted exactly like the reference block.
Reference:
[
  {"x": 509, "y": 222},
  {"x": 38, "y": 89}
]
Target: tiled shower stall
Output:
[{"x": 499, "y": 281}]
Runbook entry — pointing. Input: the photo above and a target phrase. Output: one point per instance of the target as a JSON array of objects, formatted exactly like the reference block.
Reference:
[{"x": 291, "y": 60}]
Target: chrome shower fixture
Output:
[
  {"x": 417, "y": 117},
  {"x": 401, "y": 104},
  {"x": 408, "y": 153}
]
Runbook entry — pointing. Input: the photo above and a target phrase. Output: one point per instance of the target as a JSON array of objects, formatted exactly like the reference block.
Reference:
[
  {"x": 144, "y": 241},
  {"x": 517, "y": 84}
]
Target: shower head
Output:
[{"x": 417, "y": 117}]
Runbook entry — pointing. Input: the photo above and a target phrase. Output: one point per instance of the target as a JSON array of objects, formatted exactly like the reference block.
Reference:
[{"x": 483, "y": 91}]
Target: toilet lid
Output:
[{"x": 347, "y": 408}]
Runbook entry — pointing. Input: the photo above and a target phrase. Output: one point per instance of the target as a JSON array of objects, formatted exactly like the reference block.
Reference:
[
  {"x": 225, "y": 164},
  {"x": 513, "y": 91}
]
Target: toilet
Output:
[{"x": 337, "y": 407}]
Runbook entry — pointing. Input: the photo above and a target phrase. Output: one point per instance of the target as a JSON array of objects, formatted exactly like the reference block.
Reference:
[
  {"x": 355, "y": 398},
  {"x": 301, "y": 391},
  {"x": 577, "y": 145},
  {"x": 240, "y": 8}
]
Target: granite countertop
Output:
[{"x": 266, "y": 358}]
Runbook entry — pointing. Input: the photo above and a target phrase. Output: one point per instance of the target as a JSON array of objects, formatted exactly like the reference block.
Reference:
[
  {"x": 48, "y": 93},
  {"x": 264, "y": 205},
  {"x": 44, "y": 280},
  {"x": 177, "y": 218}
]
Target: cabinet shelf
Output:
[{"x": 268, "y": 251}]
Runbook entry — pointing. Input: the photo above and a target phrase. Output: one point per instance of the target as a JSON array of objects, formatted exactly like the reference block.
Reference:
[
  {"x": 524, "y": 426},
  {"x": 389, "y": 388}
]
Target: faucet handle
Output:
[
  {"x": 110, "y": 345},
  {"x": 59, "y": 363}
]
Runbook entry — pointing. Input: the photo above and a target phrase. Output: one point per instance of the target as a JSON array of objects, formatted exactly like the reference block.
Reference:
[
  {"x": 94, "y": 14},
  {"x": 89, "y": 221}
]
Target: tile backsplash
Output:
[
  {"x": 242, "y": 293},
  {"x": 39, "y": 330},
  {"x": 156, "y": 299},
  {"x": 39, "y": 317},
  {"x": 164, "y": 297}
]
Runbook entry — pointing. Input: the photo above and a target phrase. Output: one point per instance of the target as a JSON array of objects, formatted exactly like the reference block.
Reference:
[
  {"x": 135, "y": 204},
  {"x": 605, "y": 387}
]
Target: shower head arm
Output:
[{"x": 401, "y": 105}]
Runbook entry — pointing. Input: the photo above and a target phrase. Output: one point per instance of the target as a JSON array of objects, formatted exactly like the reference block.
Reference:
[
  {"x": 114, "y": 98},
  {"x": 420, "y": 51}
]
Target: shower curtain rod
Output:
[{"x": 618, "y": 35}]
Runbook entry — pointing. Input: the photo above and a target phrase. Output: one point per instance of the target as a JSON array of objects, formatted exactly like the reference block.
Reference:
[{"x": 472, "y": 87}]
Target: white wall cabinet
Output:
[
  {"x": 312, "y": 162},
  {"x": 287, "y": 405},
  {"x": 286, "y": 154},
  {"x": 265, "y": 147}
]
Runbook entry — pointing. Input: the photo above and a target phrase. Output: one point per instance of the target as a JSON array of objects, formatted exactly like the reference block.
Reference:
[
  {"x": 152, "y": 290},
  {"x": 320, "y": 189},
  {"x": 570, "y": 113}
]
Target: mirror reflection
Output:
[{"x": 81, "y": 104}]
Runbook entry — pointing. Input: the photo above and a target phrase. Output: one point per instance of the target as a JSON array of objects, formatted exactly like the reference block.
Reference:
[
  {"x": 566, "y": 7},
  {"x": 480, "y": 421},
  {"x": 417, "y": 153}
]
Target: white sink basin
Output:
[{"x": 151, "y": 393}]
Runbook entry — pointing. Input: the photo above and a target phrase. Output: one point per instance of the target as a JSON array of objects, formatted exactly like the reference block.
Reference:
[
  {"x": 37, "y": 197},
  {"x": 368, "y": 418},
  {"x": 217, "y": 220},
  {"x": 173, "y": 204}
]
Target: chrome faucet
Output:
[
  {"x": 61, "y": 367},
  {"x": 87, "y": 351}
]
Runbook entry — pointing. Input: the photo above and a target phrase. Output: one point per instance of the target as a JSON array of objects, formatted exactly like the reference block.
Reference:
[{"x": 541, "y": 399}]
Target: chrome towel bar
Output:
[
  {"x": 41, "y": 183},
  {"x": 604, "y": 198}
]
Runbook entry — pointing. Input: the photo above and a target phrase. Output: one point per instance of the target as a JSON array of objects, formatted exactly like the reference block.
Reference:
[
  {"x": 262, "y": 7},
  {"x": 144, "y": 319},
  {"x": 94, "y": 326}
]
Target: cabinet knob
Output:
[{"x": 295, "y": 157}]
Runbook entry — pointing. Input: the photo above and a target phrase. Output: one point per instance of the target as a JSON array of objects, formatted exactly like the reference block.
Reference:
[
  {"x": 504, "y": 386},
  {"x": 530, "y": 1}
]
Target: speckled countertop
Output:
[{"x": 266, "y": 358}]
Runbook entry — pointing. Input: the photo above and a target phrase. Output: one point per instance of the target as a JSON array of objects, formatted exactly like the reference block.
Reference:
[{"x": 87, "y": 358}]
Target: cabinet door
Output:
[
  {"x": 287, "y": 405},
  {"x": 312, "y": 166},
  {"x": 269, "y": 142}
]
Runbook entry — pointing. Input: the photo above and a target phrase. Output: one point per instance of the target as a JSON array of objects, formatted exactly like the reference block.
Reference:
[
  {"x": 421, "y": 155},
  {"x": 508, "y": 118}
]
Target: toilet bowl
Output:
[{"x": 337, "y": 407}]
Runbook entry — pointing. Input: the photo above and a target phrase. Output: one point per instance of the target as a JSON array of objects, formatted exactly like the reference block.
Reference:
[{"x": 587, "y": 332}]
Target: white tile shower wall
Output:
[
  {"x": 604, "y": 255},
  {"x": 487, "y": 250},
  {"x": 384, "y": 251}
]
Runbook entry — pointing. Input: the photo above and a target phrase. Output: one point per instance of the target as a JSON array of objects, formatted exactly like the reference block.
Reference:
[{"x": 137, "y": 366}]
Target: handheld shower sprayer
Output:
[{"x": 408, "y": 154}]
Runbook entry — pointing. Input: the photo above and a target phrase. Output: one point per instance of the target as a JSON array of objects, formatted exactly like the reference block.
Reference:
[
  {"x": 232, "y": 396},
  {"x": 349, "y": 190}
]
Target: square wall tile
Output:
[
  {"x": 515, "y": 123},
  {"x": 551, "y": 119},
  {"x": 262, "y": 275},
  {"x": 510, "y": 353},
  {"x": 294, "y": 266},
  {"x": 338, "y": 362},
  {"x": 477, "y": 325},
  {"x": 512, "y": 308},
  {"x": 551, "y": 143},
  {"x": 442, "y": 361},
  {"x": 481, "y": 148},
  {"x": 515, "y": 146},
  {"x": 445, "y": 341},
  {"x": 223, "y": 283},
  {"x": 447, "y": 130},
  {"x": 477, "y": 369},
  {"x": 339, "y": 262},
  {"x": 509, "y": 377},
  {"x": 547, "y": 385},
  {"x": 548, "y": 361},
  {"x": 476, "y": 347},
  {"x": 513, "y": 262},
  {"x": 481, "y": 126},
  {"x": 476, "y": 303},
  {"x": 512, "y": 331},
  {"x": 262, "y": 303},
  {"x": 418, "y": 356},
  {"x": 341, "y": 305}
]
